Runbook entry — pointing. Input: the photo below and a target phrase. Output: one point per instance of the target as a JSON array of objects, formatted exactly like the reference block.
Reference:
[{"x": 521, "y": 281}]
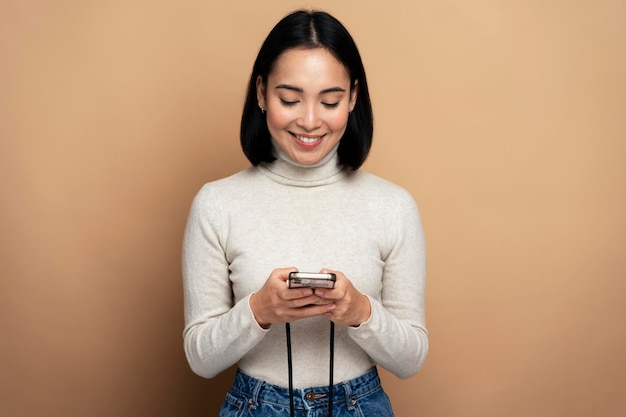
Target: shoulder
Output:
[
  {"x": 221, "y": 191},
  {"x": 228, "y": 185},
  {"x": 238, "y": 179},
  {"x": 380, "y": 189},
  {"x": 390, "y": 207}
]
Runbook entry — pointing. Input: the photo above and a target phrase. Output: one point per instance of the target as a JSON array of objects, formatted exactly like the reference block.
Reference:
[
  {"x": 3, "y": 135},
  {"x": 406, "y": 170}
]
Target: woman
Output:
[{"x": 305, "y": 205}]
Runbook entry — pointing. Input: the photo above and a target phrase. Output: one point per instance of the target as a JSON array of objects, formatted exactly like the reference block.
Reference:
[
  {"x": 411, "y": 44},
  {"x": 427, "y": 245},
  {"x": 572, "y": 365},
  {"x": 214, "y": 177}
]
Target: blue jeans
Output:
[{"x": 359, "y": 397}]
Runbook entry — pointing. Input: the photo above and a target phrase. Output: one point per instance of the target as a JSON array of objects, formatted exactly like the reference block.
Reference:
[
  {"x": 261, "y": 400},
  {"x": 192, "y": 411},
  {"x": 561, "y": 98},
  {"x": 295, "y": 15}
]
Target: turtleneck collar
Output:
[{"x": 285, "y": 170}]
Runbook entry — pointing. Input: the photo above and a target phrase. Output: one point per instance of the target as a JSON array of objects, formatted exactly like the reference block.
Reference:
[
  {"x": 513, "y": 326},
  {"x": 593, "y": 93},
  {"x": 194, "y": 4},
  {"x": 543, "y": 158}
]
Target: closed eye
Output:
[
  {"x": 330, "y": 105},
  {"x": 288, "y": 103}
]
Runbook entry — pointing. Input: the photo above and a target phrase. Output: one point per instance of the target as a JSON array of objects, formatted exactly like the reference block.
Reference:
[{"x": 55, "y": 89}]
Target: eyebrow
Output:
[{"x": 300, "y": 90}]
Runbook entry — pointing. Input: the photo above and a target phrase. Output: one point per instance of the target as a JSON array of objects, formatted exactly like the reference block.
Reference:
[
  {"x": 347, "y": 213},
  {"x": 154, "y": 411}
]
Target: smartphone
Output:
[{"x": 311, "y": 279}]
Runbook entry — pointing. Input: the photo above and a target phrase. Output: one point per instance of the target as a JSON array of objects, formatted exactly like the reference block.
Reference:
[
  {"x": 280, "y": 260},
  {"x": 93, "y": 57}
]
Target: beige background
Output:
[{"x": 505, "y": 119}]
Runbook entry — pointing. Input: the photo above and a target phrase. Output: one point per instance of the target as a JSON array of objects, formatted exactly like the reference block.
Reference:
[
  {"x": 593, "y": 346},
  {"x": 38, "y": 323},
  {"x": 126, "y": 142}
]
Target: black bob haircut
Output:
[{"x": 309, "y": 29}]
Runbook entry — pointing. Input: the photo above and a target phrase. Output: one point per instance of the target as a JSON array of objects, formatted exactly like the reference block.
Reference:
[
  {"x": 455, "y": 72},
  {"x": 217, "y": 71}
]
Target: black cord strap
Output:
[
  {"x": 290, "y": 366},
  {"x": 330, "y": 370}
]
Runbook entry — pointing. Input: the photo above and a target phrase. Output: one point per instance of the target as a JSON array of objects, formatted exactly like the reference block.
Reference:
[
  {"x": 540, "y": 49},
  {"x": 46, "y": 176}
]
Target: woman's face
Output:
[{"x": 307, "y": 99}]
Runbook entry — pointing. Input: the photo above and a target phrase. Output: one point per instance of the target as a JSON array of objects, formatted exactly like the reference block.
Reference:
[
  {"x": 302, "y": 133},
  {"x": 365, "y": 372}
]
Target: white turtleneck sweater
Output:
[{"x": 283, "y": 214}]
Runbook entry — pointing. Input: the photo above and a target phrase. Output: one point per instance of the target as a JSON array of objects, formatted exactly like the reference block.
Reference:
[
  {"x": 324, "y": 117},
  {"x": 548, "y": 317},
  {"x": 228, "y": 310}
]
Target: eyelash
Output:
[{"x": 293, "y": 103}]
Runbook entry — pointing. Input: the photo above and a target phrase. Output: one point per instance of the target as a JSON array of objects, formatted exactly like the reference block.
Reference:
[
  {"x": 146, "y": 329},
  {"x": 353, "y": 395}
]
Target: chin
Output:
[{"x": 308, "y": 161}]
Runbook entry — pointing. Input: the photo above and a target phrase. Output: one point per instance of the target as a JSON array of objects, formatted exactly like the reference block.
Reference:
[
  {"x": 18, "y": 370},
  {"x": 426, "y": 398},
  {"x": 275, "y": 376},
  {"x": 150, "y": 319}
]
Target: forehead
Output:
[{"x": 309, "y": 67}]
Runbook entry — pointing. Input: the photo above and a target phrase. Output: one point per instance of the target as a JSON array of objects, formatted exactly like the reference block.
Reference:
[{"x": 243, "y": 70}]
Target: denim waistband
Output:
[{"x": 348, "y": 391}]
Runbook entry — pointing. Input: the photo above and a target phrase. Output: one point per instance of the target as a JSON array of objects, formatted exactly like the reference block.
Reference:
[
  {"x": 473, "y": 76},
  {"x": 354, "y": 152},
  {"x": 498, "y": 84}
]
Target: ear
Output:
[
  {"x": 353, "y": 94},
  {"x": 260, "y": 92}
]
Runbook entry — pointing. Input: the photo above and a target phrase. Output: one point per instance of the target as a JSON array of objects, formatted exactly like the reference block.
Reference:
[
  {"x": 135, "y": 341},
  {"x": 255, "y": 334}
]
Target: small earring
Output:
[{"x": 262, "y": 108}]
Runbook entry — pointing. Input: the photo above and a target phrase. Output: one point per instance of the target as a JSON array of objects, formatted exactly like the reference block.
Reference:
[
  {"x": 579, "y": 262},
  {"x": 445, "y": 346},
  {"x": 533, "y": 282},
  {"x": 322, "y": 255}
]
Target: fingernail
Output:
[
  {"x": 331, "y": 306},
  {"x": 319, "y": 292},
  {"x": 308, "y": 292}
]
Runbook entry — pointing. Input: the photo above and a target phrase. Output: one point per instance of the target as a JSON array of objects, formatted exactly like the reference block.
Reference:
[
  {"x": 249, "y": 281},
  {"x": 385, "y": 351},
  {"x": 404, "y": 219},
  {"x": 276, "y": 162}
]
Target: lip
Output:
[{"x": 298, "y": 139}]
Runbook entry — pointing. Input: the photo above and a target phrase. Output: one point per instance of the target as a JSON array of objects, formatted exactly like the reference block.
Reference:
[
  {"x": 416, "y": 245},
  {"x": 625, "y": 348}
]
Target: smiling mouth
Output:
[{"x": 309, "y": 140}]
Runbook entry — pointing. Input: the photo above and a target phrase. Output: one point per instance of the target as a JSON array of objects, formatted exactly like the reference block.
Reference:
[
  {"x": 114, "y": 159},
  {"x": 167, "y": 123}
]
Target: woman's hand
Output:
[
  {"x": 346, "y": 305},
  {"x": 276, "y": 303}
]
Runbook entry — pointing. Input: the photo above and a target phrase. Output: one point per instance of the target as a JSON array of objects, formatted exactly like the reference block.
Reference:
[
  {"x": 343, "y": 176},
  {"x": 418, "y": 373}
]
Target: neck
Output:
[{"x": 287, "y": 171}]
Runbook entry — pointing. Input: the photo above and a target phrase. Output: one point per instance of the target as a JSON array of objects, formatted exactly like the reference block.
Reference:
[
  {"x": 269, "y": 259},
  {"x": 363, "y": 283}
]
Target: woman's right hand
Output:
[{"x": 276, "y": 303}]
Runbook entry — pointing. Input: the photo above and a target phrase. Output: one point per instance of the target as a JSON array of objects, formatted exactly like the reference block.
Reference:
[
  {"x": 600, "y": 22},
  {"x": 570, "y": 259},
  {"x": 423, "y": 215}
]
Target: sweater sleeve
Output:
[
  {"x": 217, "y": 331},
  {"x": 395, "y": 335}
]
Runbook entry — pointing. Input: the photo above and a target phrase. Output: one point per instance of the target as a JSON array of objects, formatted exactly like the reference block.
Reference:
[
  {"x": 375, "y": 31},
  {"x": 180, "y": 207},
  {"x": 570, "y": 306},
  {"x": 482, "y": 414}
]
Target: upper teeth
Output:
[{"x": 307, "y": 140}]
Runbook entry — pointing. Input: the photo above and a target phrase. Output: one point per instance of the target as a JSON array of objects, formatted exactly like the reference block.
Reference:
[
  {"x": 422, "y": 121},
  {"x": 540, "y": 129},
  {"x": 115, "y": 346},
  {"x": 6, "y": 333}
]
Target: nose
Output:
[{"x": 310, "y": 118}]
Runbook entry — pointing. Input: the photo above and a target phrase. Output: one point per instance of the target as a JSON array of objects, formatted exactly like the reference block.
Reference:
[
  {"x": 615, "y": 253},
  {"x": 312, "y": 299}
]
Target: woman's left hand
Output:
[{"x": 350, "y": 307}]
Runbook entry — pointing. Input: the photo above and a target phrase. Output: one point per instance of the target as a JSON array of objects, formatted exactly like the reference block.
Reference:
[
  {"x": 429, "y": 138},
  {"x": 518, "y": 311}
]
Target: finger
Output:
[
  {"x": 340, "y": 278},
  {"x": 310, "y": 311},
  {"x": 330, "y": 271},
  {"x": 320, "y": 292},
  {"x": 295, "y": 293},
  {"x": 323, "y": 301},
  {"x": 307, "y": 301},
  {"x": 283, "y": 273},
  {"x": 336, "y": 293}
]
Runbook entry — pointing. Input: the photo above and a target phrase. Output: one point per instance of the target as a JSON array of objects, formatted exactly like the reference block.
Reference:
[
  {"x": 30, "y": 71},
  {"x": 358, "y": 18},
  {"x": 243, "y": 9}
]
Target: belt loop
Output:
[
  {"x": 349, "y": 400},
  {"x": 254, "y": 401}
]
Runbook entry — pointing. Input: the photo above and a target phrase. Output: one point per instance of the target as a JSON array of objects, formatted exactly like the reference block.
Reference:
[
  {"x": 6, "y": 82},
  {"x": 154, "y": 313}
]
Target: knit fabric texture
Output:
[{"x": 283, "y": 214}]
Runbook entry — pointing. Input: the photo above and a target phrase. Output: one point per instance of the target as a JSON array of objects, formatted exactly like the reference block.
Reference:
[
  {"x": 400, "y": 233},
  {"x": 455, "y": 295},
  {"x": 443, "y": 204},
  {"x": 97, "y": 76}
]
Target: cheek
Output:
[
  {"x": 338, "y": 122},
  {"x": 278, "y": 119}
]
